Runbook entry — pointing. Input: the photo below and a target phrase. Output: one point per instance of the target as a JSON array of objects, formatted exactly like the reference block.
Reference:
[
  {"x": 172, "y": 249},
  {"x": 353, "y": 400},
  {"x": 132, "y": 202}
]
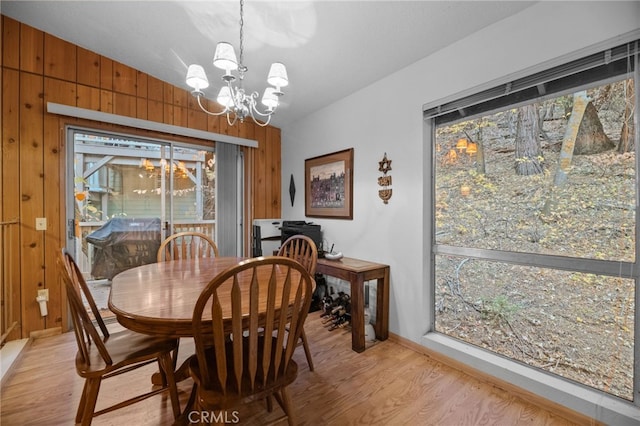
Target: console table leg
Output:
[
  {"x": 382, "y": 307},
  {"x": 357, "y": 313}
]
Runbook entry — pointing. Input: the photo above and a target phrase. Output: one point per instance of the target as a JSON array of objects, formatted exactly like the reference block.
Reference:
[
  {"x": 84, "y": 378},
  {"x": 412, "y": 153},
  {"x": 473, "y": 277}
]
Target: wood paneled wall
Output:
[{"x": 38, "y": 68}]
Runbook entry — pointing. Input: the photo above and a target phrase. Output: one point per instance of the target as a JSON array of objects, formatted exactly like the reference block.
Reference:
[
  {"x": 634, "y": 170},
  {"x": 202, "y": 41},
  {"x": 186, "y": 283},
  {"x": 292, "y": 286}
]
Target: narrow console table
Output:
[{"x": 358, "y": 271}]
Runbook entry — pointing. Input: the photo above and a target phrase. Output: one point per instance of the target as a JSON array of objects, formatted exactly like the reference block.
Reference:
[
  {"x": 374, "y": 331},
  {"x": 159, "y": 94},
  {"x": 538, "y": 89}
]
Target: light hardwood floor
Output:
[{"x": 388, "y": 384}]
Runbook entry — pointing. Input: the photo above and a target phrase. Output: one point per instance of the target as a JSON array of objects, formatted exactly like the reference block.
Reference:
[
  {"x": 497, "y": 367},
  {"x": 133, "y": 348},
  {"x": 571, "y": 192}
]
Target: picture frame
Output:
[{"x": 329, "y": 185}]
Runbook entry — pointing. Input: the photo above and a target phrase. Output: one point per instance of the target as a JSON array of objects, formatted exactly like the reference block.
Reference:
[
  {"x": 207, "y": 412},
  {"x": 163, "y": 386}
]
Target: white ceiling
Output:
[{"x": 331, "y": 48}]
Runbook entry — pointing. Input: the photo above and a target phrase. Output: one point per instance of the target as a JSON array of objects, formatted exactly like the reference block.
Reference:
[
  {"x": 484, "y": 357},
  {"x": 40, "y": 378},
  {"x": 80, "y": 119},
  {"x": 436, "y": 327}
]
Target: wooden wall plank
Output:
[
  {"x": 59, "y": 58},
  {"x": 167, "y": 113},
  {"x": 155, "y": 111},
  {"x": 60, "y": 92},
  {"x": 273, "y": 172},
  {"x": 31, "y": 49},
  {"x": 226, "y": 129},
  {"x": 197, "y": 119},
  {"x": 10, "y": 43},
  {"x": 180, "y": 116},
  {"x": 124, "y": 105},
  {"x": 106, "y": 101},
  {"x": 10, "y": 178},
  {"x": 32, "y": 198},
  {"x": 141, "y": 108},
  {"x": 88, "y": 97},
  {"x": 248, "y": 131},
  {"x": 106, "y": 73},
  {"x": 180, "y": 97},
  {"x": 154, "y": 89},
  {"x": 124, "y": 79},
  {"x": 213, "y": 123},
  {"x": 167, "y": 93},
  {"x": 260, "y": 173},
  {"x": 142, "y": 84},
  {"x": 88, "y": 65}
]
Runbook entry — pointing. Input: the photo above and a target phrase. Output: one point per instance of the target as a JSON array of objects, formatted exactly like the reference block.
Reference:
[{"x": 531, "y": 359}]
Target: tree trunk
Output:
[
  {"x": 569, "y": 142},
  {"x": 627, "y": 135},
  {"x": 580, "y": 102},
  {"x": 480, "y": 163},
  {"x": 591, "y": 138},
  {"x": 529, "y": 159}
]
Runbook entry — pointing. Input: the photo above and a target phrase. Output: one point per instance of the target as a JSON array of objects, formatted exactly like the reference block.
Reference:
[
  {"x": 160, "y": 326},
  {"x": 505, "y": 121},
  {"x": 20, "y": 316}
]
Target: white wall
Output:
[{"x": 387, "y": 117}]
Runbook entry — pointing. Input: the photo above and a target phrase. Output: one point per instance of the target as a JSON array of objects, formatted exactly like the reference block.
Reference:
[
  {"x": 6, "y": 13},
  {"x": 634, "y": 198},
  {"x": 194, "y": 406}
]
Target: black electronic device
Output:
[{"x": 300, "y": 227}]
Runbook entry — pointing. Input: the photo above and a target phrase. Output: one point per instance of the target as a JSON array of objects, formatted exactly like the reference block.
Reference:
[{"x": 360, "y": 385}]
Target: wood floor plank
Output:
[{"x": 388, "y": 384}]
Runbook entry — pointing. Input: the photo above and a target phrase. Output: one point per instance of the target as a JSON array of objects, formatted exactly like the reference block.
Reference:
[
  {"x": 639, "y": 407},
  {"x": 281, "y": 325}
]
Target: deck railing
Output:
[{"x": 8, "y": 231}]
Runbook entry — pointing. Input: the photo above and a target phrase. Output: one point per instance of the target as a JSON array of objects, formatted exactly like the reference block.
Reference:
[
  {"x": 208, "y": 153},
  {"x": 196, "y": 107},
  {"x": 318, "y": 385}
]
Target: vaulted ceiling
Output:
[{"x": 331, "y": 48}]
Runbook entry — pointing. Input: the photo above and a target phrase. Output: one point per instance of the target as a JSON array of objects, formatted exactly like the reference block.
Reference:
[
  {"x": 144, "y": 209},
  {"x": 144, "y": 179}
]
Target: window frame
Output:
[{"x": 579, "y": 398}]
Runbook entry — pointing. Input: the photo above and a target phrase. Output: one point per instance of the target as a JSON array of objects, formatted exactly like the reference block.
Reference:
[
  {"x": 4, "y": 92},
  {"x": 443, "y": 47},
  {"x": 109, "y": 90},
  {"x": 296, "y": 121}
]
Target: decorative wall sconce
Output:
[{"x": 385, "y": 181}]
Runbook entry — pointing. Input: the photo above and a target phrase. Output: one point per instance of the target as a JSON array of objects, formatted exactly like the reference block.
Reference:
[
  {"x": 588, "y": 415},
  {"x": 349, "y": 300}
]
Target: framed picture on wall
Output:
[{"x": 329, "y": 185}]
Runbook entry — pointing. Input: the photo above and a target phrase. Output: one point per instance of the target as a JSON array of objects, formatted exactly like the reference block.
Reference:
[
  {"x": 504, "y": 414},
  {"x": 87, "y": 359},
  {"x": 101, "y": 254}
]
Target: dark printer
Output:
[{"x": 300, "y": 227}]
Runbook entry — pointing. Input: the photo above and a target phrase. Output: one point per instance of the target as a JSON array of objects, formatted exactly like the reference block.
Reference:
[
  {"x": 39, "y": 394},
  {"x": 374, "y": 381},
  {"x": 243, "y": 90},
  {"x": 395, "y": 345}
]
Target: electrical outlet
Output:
[
  {"x": 44, "y": 293},
  {"x": 41, "y": 223}
]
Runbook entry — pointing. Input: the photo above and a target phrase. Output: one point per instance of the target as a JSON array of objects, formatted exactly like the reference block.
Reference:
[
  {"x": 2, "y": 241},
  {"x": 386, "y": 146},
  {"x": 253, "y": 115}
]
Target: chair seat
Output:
[
  {"x": 120, "y": 347},
  {"x": 216, "y": 398}
]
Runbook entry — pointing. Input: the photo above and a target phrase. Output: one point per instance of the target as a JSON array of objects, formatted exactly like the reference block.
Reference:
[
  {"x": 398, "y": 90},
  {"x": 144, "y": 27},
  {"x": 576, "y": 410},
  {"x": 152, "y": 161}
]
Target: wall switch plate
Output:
[
  {"x": 44, "y": 293},
  {"x": 41, "y": 223}
]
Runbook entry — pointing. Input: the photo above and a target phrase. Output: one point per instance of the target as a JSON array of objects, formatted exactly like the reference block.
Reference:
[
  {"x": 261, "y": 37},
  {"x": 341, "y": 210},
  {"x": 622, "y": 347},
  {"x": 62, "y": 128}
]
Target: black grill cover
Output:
[{"x": 123, "y": 243}]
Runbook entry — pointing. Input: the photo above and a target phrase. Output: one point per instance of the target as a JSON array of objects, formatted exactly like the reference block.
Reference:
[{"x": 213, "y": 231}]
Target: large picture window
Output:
[{"x": 535, "y": 221}]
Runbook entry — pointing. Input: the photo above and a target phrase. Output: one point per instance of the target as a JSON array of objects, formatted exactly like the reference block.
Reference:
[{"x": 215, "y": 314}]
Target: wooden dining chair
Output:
[
  {"x": 187, "y": 245},
  {"x": 302, "y": 249},
  {"x": 102, "y": 355},
  {"x": 249, "y": 357}
]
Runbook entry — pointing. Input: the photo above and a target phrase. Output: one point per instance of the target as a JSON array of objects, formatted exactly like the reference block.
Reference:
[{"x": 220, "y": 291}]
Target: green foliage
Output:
[{"x": 498, "y": 308}]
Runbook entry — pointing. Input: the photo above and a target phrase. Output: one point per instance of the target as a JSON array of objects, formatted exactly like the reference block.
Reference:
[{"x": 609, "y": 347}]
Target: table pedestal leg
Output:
[{"x": 182, "y": 373}]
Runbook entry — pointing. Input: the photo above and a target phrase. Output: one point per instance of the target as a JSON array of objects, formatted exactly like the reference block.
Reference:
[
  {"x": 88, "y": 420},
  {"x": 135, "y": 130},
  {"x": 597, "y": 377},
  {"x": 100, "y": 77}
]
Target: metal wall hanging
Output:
[
  {"x": 292, "y": 190},
  {"x": 385, "y": 180}
]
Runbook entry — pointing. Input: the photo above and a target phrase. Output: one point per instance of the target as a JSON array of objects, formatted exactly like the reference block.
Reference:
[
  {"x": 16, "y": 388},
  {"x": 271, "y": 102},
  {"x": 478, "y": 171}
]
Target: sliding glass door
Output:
[{"x": 126, "y": 194}]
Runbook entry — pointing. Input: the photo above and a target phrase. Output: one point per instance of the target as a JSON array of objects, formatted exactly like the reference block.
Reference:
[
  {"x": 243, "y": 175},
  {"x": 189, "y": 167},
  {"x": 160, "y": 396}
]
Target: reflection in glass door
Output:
[{"x": 128, "y": 194}]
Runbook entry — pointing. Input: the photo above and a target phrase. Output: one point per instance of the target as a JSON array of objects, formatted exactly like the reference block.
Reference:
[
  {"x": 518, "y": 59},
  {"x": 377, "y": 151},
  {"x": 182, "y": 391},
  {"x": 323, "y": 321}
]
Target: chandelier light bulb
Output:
[
  {"x": 278, "y": 75},
  {"x": 196, "y": 78},
  {"x": 225, "y": 97},
  {"x": 225, "y": 57},
  {"x": 269, "y": 98}
]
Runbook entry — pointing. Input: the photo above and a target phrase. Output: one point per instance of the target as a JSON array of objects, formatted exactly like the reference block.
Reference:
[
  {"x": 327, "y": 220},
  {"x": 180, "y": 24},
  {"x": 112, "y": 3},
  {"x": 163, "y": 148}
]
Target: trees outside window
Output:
[{"x": 534, "y": 244}]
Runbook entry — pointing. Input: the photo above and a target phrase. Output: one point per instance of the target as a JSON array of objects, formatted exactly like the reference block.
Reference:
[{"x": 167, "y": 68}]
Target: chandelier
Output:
[{"x": 234, "y": 99}]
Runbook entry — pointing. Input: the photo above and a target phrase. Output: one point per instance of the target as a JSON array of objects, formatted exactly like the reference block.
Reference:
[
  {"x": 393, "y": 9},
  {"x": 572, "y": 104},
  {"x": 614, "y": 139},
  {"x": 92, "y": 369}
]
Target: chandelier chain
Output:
[{"x": 241, "y": 64}]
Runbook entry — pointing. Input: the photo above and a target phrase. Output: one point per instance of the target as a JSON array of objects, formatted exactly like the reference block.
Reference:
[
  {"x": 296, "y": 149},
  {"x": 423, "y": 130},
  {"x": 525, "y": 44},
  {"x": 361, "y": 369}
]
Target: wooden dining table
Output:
[{"x": 159, "y": 298}]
